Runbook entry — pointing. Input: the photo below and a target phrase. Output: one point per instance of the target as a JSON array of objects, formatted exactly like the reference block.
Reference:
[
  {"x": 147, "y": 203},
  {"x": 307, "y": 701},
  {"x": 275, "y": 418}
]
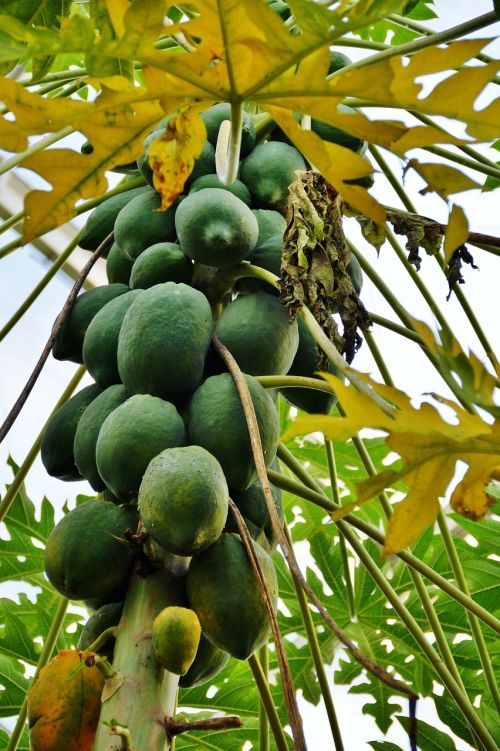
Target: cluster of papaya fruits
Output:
[{"x": 161, "y": 434}]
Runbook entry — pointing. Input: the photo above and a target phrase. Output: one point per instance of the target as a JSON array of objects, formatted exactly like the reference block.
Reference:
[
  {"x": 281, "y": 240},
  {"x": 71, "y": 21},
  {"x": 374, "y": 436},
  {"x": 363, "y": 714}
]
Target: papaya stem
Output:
[
  {"x": 23, "y": 470},
  {"x": 286, "y": 677},
  {"x": 263, "y": 718},
  {"x": 301, "y": 382},
  {"x": 124, "y": 735},
  {"x": 56, "y": 329},
  {"x": 230, "y": 722},
  {"x": 267, "y": 701},
  {"x": 102, "y": 639}
]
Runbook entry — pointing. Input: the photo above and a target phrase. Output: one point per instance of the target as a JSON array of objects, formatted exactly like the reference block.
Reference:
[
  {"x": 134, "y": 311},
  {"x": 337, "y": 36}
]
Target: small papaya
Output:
[
  {"x": 270, "y": 223},
  {"x": 105, "y": 617},
  {"x": 209, "y": 661},
  {"x": 268, "y": 171},
  {"x": 163, "y": 262},
  {"x": 176, "y": 636},
  {"x": 102, "y": 220},
  {"x": 141, "y": 224},
  {"x": 214, "y": 116},
  {"x": 237, "y": 188},
  {"x": 64, "y": 703},
  {"x": 224, "y": 593},
  {"x": 253, "y": 507},
  {"x": 118, "y": 266}
]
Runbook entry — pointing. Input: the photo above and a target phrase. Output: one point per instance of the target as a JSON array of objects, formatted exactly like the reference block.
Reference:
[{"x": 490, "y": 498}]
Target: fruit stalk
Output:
[{"x": 145, "y": 694}]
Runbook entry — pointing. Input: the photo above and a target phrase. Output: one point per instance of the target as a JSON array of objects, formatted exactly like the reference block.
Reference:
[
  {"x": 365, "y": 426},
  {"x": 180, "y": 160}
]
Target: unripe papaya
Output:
[
  {"x": 176, "y": 636},
  {"x": 105, "y": 617},
  {"x": 209, "y": 661},
  {"x": 101, "y": 221},
  {"x": 64, "y": 704}
]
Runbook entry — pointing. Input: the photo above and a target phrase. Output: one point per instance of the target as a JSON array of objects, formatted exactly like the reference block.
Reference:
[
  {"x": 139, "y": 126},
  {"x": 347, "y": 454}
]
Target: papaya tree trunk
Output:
[{"x": 144, "y": 694}]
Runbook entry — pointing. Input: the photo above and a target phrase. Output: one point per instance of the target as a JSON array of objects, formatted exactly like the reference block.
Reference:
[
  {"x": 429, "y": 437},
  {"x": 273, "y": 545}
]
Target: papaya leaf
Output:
[
  {"x": 24, "y": 743},
  {"x": 429, "y": 737},
  {"x": 457, "y": 232},
  {"x": 384, "y": 746},
  {"x": 442, "y": 179}
]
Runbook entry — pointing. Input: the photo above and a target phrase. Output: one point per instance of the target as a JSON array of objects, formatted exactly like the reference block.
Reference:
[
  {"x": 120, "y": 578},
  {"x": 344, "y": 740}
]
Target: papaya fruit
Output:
[
  {"x": 100, "y": 342},
  {"x": 183, "y": 499},
  {"x": 105, "y": 617},
  {"x": 267, "y": 255},
  {"x": 163, "y": 341},
  {"x": 163, "y": 262},
  {"x": 213, "y": 117},
  {"x": 259, "y": 333},
  {"x": 58, "y": 437},
  {"x": 217, "y": 423},
  {"x": 131, "y": 436},
  {"x": 141, "y": 224},
  {"x": 176, "y": 636},
  {"x": 224, "y": 593},
  {"x": 306, "y": 364},
  {"x": 69, "y": 343},
  {"x": 118, "y": 266},
  {"x": 102, "y": 220},
  {"x": 268, "y": 171},
  {"x": 237, "y": 188},
  {"x": 253, "y": 507},
  {"x": 84, "y": 555},
  {"x": 271, "y": 223},
  {"x": 87, "y": 431},
  {"x": 337, "y": 61},
  {"x": 215, "y": 228},
  {"x": 208, "y": 662},
  {"x": 64, "y": 703},
  {"x": 93, "y": 604}
]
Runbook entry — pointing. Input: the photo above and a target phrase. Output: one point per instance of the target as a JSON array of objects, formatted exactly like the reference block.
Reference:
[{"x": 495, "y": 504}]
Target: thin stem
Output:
[
  {"x": 11, "y": 221},
  {"x": 332, "y": 468},
  {"x": 287, "y": 382},
  {"x": 11, "y": 247},
  {"x": 45, "y": 655},
  {"x": 464, "y": 161},
  {"x": 475, "y": 627},
  {"x": 268, "y": 703},
  {"x": 377, "y": 356},
  {"x": 318, "y": 661},
  {"x": 263, "y": 718},
  {"x": 396, "y": 328},
  {"x": 485, "y": 246},
  {"x": 39, "y": 145},
  {"x": 35, "y": 293},
  {"x": 23, "y": 470},
  {"x": 391, "y": 177},
  {"x": 56, "y": 329}
]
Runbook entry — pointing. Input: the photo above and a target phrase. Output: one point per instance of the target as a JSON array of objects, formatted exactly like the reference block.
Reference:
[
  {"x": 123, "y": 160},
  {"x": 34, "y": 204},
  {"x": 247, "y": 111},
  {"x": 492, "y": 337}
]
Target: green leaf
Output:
[
  {"x": 15, "y": 686},
  {"x": 24, "y": 744},
  {"x": 384, "y": 746},
  {"x": 429, "y": 737}
]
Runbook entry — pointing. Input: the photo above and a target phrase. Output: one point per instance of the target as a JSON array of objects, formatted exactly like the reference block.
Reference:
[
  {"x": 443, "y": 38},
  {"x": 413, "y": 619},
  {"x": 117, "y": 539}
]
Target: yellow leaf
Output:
[
  {"x": 116, "y": 12},
  {"x": 335, "y": 163},
  {"x": 410, "y": 518},
  {"x": 457, "y": 232},
  {"x": 469, "y": 497},
  {"x": 442, "y": 179},
  {"x": 172, "y": 156}
]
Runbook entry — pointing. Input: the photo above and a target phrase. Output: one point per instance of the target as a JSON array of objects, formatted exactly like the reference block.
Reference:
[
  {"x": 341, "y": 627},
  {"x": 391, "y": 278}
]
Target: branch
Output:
[
  {"x": 56, "y": 329},
  {"x": 288, "y": 553},
  {"x": 174, "y": 728}
]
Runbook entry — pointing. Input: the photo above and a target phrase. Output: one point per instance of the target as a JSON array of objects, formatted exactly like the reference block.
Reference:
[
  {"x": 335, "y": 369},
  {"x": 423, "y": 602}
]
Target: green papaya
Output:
[
  {"x": 141, "y": 223},
  {"x": 100, "y": 343},
  {"x": 183, "y": 499},
  {"x": 267, "y": 255},
  {"x": 209, "y": 661},
  {"x": 216, "y": 228},
  {"x": 337, "y": 61},
  {"x": 306, "y": 364},
  {"x": 214, "y": 116},
  {"x": 58, "y": 437},
  {"x": 268, "y": 171},
  {"x": 271, "y": 223},
  {"x": 102, "y": 220},
  {"x": 253, "y": 507},
  {"x": 118, "y": 266},
  {"x": 106, "y": 617},
  {"x": 85, "y": 556},
  {"x": 133, "y": 434},
  {"x": 69, "y": 343},
  {"x": 84, "y": 446},
  {"x": 217, "y": 423},
  {"x": 237, "y": 188},
  {"x": 163, "y": 262},
  {"x": 176, "y": 636},
  {"x": 224, "y": 593},
  {"x": 163, "y": 341},
  {"x": 259, "y": 333}
]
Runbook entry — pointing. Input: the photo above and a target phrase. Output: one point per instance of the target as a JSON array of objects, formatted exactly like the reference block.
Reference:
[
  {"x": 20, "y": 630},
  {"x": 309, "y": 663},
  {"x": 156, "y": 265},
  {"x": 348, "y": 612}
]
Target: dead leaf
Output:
[{"x": 457, "y": 232}]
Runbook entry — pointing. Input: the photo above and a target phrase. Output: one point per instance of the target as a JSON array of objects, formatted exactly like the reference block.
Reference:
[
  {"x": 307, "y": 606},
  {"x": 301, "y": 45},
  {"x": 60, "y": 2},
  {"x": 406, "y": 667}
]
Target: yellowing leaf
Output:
[
  {"x": 172, "y": 156},
  {"x": 116, "y": 12},
  {"x": 411, "y": 517},
  {"x": 457, "y": 232},
  {"x": 442, "y": 179},
  {"x": 469, "y": 497},
  {"x": 335, "y": 163}
]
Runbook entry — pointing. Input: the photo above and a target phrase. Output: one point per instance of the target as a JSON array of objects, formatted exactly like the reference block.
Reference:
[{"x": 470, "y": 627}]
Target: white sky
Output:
[{"x": 411, "y": 371}]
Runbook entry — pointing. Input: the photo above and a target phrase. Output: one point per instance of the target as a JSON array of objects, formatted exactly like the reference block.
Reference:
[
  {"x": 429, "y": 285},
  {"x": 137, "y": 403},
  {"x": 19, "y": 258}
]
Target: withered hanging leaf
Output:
[
  {"x": 454, "y": 273},
  {"x": 420, "y": 233},
  {"x": 315, "y": 260}
]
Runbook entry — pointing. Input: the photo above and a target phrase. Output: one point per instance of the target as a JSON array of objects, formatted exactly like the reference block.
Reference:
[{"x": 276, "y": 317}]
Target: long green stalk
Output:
[
  {"x": 319, "y": 666},
  {"x": 36, "y": 292},
  {"x": 396, "y": 328},
  {"x": 263, "y": 719},
  {"x": 45, "y": 655},
  {"x": 464, "y": 161},
  {"x": 332, "y": 468},
  {"x": 268, "y": 703},
  {"x": 23, "y": 470},
  {"x": 437, "y": 663},
  {"x": 11, "y": 221}
]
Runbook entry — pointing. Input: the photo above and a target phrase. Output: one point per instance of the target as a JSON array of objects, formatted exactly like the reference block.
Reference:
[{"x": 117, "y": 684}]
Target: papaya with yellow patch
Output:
[
  {"x": 64, "y": 703},
  {"x": 176, "y": 636}
]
